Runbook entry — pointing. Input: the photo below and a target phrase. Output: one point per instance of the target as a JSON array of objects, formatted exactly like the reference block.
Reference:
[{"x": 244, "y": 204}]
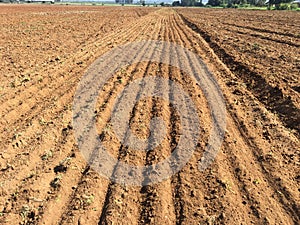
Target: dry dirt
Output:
[{"x": 255, "y": 57}]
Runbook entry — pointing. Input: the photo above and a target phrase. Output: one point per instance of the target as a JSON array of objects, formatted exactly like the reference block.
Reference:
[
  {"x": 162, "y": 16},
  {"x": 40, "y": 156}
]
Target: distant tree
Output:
[
  {"x": 214, "y": 2},
  {"x": 199, "y": 3},
  {"x": 188, "y": 2},
  {"x": 260, "y": 3},
  {"x": 176, "y": 3},
  {"x": 236, "y": 2}
]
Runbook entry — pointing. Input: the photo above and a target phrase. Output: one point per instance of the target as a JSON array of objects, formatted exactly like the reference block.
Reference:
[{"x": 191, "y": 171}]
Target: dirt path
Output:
[{"x": 44, "y": 178}]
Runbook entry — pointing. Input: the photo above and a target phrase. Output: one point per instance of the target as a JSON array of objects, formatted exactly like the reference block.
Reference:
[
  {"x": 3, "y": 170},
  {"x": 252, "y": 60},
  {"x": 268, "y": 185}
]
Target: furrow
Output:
[
  {"x": 264, "y": 172},
  {"x": 271, "y": 97}
]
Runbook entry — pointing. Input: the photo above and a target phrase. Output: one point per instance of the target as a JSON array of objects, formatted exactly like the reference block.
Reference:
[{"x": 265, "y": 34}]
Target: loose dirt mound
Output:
[{"x": 45, "y": 50}]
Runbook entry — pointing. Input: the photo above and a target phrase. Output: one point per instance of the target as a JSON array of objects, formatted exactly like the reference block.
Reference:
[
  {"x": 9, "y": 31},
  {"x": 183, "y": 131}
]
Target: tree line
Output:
[{"x": 232, "y": 3}]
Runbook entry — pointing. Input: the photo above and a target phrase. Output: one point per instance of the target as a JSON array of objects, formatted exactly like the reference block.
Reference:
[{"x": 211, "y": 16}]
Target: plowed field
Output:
[{"x": 255, "y": 58}]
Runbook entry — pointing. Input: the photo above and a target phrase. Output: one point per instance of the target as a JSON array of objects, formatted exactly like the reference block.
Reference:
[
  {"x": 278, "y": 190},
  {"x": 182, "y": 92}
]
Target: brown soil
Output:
[{"x": 45, "y": 50}]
